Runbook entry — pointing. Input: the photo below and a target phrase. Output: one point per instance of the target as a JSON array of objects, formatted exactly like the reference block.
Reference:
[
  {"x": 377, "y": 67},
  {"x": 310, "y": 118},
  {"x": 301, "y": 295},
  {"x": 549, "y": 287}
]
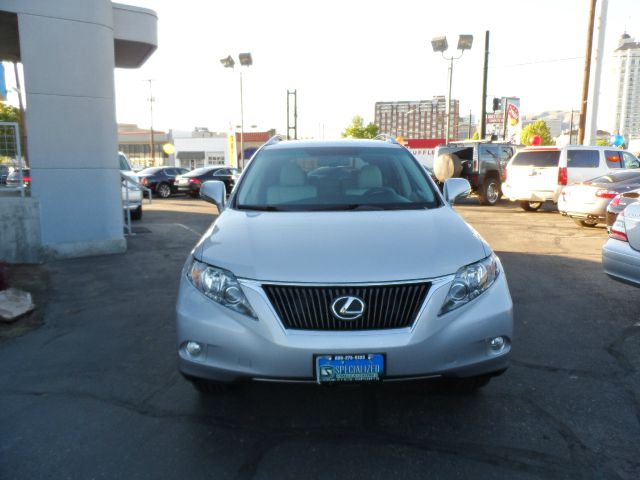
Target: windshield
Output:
[
  {"x": 335, "y": 178},
  {"x": 537, "y": 158}
]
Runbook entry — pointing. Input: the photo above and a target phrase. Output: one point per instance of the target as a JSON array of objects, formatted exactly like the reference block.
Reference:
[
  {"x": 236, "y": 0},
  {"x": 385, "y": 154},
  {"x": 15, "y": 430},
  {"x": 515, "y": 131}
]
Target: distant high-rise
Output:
[
  {"x": 418, "y": 118},
  {"x": 627, "y": 64}
]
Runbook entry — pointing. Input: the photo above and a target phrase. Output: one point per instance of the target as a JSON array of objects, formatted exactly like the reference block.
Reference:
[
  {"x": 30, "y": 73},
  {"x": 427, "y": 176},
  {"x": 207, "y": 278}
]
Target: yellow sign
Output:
[
  {"x": 168, "y": 148},
  {"x": 232, "y": 155}
]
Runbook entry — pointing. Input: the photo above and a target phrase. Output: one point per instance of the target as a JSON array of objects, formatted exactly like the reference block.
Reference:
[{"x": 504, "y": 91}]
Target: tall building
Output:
[
  {"x": 627, "y": 65},
  {"x": 417, "y": 119}
]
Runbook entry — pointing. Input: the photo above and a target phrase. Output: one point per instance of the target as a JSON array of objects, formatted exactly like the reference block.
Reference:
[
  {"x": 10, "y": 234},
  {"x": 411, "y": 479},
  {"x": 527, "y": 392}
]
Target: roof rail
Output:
[
  {"x": 275, "y": 139},
  {"x": 385, "y": 137}
]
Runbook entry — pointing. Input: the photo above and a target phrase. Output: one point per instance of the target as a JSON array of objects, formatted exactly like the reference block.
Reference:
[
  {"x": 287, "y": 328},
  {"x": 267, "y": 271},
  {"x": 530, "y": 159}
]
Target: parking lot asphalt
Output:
[{"x": 95, "y": 393}]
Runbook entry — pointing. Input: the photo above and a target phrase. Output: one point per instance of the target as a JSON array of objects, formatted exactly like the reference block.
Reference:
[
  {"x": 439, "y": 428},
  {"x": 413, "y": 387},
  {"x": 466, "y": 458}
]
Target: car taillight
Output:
[
  {"x": 194, "y": 180},
  {"x": 562, "y": 175},
  {"x": 616, "y": 201},
  {"x": 26, "y": 180},
  {"x": 603, "y": 193},
  {"x": 144, "y": 181},
  {"x": 618, "y": 230}
]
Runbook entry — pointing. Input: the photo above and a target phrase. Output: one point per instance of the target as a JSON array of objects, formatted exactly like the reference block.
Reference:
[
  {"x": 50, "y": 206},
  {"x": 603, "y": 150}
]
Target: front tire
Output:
[
  {"x": 163, "y": 190},
  {"x": 585, "y": 223},
  {"x": 490, "y": 192},
  {"x": 530, "y": 206},
  {"x": 137, "y": 213}
]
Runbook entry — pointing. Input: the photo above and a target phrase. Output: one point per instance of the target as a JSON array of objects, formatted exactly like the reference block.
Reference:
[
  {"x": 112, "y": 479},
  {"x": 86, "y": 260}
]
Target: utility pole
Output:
[
  {"x": 469, "y": 133},
  {"x": 587, "y": 72},
  {"x": 292, "y": 125},
  {"x": 483, "y": 111},
  {"x": 591, "y": 131},
  {"x": 571, "y": 127},
  {"x": 151, "y": 100}
]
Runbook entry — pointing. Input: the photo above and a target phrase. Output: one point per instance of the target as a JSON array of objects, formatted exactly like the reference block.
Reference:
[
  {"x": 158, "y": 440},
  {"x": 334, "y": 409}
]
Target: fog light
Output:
[
  {"x": 194, "y": 348},
  {"x": 497, "y": 344}
]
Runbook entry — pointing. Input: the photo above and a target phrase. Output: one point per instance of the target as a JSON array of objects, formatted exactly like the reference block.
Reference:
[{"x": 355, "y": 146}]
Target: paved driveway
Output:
[{"x": 94, "y": 392}]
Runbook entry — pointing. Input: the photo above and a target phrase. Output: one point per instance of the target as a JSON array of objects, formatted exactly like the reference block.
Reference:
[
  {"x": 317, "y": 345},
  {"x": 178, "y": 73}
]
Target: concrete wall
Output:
[
  {"x": 20, "y": 230},
  {"x": 68, "y": 53}
]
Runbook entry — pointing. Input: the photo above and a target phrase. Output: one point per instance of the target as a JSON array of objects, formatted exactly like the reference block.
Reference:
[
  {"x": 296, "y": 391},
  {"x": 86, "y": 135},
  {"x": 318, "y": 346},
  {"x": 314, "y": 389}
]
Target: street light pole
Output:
[
  {"x": 241, "y": 124},
  {"x": 439, "y": 44},
  {"x": 245, "y": 60}
]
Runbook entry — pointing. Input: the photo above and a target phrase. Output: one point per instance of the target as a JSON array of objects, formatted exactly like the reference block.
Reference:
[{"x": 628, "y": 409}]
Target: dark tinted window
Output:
[
  {"x": 583, "y": 158},
  {"x": 537, "y": 158},
  {"x": 198, "y": 171},
  {"x": 489, "y": 152},
  {"x": 222, "y": 171},
  {"x": 613, "y": 159}
]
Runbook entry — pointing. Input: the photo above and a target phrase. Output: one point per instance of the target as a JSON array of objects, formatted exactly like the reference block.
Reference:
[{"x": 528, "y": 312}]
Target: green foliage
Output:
[
  {"x": 9, "y": 113},
  {"x": 475, "y": 136},
  {"x": 540, "y": 128},
  {"x": 602, "y": 142},
  {"x": 358, "y": 130}
]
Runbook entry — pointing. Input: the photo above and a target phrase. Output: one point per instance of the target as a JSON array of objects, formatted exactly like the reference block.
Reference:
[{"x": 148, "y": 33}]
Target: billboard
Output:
[{"x": 513, "y": 126}]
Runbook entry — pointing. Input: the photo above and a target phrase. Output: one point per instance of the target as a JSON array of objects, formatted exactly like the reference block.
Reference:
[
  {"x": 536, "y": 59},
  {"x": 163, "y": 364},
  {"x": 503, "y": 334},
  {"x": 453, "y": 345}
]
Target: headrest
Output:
[
  {"x": 369, "y": 177},
  {"x": 291, "y": 175}
]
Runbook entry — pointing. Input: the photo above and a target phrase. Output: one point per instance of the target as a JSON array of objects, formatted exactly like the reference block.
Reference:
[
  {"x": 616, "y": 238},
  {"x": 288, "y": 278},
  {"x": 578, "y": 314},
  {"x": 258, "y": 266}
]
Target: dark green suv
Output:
[{"x": 483, "y": 164}]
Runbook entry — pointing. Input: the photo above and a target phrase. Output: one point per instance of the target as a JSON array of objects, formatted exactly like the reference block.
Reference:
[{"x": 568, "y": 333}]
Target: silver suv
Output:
[{"x": 341, "y": 262}]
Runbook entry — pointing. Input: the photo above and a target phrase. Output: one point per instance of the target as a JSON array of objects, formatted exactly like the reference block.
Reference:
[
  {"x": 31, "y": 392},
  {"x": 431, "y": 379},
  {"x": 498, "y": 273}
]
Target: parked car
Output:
[
  {"x": 131, "y": 192},
  {"x": 586, "y": 203},
  {"x": 621, "y": 253},
  {"x": 190, "y": 182},
  {"x": 481, "y": 163},
  {"x": 13, "y": 179},
  {"x": 161, "y": 180},
  {"x": 619, "y": 203},
  {"x": 538, "y": 174},
  {"x": 4, "y": 173},
  {"x": 361, "y": 273}
]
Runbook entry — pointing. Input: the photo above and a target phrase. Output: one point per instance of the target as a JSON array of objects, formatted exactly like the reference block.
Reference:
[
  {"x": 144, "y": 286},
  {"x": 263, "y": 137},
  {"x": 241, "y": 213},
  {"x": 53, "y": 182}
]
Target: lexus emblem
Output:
[{"x": 347, "y": 308}]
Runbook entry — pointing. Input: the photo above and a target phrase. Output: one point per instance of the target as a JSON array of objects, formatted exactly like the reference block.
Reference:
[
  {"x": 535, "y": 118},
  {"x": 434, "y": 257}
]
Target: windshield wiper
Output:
[
  {"x": 261, "y": 208},
  {"x": 348, "y": 206}
]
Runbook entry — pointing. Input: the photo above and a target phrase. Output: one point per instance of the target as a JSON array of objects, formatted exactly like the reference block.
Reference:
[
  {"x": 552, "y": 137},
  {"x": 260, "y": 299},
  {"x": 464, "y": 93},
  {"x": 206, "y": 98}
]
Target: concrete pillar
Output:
[{"x": 68, "y": 61}]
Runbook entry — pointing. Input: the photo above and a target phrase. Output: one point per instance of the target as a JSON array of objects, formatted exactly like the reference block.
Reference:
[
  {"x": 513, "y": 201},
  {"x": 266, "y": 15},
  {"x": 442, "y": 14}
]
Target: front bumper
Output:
[
  {"x": 237, "y": 347},
  {"x": 514, "y": 193},
  {"x": 621, "y": 262}
]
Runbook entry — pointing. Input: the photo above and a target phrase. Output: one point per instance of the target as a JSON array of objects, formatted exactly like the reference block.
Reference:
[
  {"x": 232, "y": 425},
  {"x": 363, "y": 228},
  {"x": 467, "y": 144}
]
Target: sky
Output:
[{"x": 343, "y": 56}]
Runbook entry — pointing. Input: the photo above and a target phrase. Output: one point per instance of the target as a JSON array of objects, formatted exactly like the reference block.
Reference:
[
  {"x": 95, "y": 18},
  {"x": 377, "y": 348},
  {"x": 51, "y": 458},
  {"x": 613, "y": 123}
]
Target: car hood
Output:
[{"x": 341, "y": 247}]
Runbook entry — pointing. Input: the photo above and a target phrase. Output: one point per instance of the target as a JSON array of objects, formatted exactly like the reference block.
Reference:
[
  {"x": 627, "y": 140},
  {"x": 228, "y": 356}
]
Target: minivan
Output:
[{"x": 537, "y": 174}]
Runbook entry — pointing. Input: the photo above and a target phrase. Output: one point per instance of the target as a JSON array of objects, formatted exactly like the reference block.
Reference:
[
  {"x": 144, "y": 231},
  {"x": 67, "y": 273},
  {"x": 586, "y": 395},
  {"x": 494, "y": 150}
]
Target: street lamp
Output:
[
  {"x": 246, "y": 61},
  {"x": 439, "y": 44}
]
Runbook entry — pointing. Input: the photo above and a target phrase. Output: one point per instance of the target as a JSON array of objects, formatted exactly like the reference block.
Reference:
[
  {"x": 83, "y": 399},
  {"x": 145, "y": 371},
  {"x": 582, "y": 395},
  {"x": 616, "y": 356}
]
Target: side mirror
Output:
[
  {"x": 214, "y": 192},
  {"x": 455, "y": 188}
]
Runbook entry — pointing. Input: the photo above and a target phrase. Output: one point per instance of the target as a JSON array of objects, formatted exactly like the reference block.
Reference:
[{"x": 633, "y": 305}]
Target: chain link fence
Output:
[{"x": 12, "y": 169}]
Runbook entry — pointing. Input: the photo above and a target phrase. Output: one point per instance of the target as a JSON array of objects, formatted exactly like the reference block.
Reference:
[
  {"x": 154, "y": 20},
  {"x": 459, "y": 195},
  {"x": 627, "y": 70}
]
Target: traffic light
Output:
[{"x": 497, "y": 104}]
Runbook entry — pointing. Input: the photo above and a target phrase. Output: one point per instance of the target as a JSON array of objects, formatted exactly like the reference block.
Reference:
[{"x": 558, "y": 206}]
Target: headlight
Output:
[
  {"x": 469, "y": 282},
  {"x": 221, "y": 286}
]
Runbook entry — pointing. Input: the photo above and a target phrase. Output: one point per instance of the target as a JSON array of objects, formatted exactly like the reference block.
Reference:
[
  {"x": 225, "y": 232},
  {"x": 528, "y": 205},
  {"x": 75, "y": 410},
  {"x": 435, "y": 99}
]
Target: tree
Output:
[
  {"x": 476, "y": 136},
  {"x": 539, "y": 127},
  {"x": 358, "y": 130},
  {"x": 601, "y": 142},
  {"x": 9, "y": 113}
]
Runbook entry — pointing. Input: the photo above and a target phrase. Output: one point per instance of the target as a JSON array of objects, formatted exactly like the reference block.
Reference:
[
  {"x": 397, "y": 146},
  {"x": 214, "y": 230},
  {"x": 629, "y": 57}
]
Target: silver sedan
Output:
[
  {"x": 587, "y": 202},
  {"x": 621, "y": 253}
]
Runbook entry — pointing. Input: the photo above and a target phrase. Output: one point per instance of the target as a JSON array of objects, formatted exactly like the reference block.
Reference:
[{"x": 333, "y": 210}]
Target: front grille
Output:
[{"x": 309, "y": 308}]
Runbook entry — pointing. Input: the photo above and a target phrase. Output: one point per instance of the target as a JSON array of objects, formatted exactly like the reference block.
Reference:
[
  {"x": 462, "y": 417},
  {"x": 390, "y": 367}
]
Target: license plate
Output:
[{"x": 360, "y": 367}]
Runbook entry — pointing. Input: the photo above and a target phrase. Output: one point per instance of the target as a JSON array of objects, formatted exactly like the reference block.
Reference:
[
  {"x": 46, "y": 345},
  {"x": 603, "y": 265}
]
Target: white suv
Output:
[
  {"x": 537, "y": 174},
  {"x": 131, "y": 192}
]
